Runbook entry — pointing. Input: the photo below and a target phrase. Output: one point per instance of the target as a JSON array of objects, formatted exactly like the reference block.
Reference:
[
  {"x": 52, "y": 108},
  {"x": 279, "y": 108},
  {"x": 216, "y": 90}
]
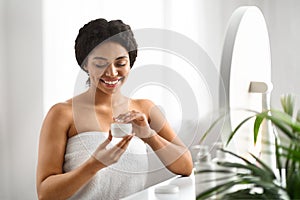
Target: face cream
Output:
[{"x": 120, "y": 130}]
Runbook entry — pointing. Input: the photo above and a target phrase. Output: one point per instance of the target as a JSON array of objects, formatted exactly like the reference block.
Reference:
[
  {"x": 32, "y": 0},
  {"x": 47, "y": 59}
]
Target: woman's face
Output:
[{"x": 108, "y": 66}]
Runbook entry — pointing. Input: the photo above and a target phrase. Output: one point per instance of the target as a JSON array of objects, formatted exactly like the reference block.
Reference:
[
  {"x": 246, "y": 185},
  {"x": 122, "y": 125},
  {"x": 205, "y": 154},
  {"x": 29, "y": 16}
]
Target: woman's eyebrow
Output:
[
  {"x": 121, "y": 57},
  {"x": 99, "y": 58}
]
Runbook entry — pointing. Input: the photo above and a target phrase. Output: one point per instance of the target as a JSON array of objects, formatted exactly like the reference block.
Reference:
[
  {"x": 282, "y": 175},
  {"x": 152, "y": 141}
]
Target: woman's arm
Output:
[
  {"x": 159, "y": 135},
  {"x": 52, "y": 182},
  {"x": 63, "y": 186},
  {"x": 171, "y": 151}
]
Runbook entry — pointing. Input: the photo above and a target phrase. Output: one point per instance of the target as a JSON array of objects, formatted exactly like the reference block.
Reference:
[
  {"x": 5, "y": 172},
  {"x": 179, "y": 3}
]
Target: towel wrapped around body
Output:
[{"x": 127, "y": 176}]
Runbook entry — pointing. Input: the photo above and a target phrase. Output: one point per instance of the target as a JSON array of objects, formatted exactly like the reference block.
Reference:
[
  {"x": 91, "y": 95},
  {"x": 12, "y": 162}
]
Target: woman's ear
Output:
[{"x": 84, "y": 65}]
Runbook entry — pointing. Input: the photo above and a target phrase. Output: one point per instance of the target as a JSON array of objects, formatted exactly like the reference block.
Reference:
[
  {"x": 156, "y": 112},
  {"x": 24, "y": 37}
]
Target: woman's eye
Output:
[
  {"x": 100, "y": 65},
  {"x": 121, "y": 64}
]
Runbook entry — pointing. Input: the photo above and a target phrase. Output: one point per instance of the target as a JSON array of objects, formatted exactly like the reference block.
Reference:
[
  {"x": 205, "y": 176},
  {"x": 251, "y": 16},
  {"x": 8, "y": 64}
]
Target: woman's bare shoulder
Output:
[
  {"x": 61, "y": 108},
  {"x": 60, "y": 113},
  {"x": 58, "y": 120},
  {"x": 142, "y": 103}
]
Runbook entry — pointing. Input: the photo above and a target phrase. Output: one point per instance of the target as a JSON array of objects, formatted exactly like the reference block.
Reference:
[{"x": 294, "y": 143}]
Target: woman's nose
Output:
[{"x": 111, "y": 70}]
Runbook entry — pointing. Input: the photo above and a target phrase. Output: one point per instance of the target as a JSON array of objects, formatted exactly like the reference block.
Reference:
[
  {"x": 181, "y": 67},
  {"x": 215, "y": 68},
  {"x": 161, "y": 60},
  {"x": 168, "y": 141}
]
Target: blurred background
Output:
[{"x": 38, "y": 66}]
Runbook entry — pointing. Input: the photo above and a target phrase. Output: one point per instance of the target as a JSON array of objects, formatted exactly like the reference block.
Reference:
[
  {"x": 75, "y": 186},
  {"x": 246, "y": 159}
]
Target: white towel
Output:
[{"x": 119, "y": 180}]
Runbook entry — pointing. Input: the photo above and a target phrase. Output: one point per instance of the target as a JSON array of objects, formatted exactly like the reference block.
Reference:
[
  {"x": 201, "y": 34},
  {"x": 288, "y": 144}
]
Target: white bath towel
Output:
[{"x": 119, "y": 180}]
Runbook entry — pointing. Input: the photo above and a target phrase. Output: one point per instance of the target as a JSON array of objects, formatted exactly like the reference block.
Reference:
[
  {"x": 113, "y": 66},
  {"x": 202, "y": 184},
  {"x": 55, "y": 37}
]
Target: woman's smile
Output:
[
  {"x": 111, "y": 83},
  {"x": 108, "y": 67}
]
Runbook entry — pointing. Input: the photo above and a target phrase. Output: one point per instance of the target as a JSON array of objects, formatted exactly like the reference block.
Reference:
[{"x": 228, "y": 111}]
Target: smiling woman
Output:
[
  {"x": 115, "y": 64},
  {"x": 78, "y": 157}
]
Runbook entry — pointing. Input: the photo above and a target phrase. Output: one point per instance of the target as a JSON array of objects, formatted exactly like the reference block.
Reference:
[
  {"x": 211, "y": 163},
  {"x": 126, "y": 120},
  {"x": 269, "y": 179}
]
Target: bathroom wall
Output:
[
  {"x": 21, "y": 96},
  {"x": 61, "y": 26},
  {"x": 4, "y": 163},
  {"x": 282, "y": 19}
]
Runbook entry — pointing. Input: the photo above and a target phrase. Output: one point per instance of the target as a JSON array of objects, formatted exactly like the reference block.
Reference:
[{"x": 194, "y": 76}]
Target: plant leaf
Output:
[
  {"x": 287, "y": 119},
  {"x": 257, "y": 124},
  {"x": 211, "y": 127},
  {"x": 217, "y": 189},
  {"x": 278, "y": 123},
  {"x": 293, "y": 185},
  {"x": 298, "y": 116},
  {"x": 278, "y": 158},
  {"x": 247, "y": 194},
  {"x": 291, "y": 153},
  {"x": 255, "y": 171},
  {"x": 287, "y": 103},
  {"x": 237, "y": 128},
  {"x": 266, "y": 172},
  {"x": 264, "y": 165}
]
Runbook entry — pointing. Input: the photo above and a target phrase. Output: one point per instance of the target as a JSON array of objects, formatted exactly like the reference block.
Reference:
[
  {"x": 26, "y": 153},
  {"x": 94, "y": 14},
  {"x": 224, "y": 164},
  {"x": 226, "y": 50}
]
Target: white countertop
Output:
[{"x": 186, "y": 190}]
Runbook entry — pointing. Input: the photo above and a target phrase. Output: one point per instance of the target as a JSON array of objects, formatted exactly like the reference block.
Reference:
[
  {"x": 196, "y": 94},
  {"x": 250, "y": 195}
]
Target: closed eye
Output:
[
  {"x": 101, "y": 66},
  {"x": 121, "y": 64}
]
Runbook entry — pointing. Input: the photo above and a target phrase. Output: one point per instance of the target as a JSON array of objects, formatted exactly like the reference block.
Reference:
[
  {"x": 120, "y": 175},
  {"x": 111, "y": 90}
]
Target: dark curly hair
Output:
[{"x": 100, "y": 30}]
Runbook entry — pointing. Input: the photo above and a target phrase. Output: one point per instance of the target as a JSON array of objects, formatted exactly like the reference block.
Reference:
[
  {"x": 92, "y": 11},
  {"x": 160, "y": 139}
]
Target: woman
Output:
[{"x": 78, "y": 157}]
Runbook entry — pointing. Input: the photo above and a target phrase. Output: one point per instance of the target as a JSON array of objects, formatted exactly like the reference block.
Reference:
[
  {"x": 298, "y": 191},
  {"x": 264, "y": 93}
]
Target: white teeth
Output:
[{"x": 111, "y": 82}]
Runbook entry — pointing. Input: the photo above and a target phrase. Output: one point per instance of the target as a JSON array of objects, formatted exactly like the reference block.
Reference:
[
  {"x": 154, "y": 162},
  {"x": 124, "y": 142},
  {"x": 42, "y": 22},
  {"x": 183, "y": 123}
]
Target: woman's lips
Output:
[{"x": 111, "y": 83}]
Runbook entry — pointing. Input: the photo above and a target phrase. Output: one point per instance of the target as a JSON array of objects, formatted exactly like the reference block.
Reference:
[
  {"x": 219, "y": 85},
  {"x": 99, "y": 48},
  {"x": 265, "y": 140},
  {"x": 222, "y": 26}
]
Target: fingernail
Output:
[{"x": 119, "y": 120}]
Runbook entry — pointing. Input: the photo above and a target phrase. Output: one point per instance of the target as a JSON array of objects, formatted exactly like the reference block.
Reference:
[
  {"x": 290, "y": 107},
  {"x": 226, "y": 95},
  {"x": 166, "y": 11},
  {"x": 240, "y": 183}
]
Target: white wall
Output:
[
  {"x": 22, "y": 79},
  {"x": 283, "y": 20},
  {"x": 4, "y": 163},
  {"x": 63, "y": 19}
]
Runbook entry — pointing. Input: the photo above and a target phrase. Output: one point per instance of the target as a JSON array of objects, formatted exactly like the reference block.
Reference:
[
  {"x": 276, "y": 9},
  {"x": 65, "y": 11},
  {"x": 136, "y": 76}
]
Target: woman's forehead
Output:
[{"x": 109, "y": 51}]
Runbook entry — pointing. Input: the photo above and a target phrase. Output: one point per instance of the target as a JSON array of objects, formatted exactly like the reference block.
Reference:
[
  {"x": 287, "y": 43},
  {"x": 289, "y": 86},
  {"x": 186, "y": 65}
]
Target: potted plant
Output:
[{"x": 257, "y": 180}]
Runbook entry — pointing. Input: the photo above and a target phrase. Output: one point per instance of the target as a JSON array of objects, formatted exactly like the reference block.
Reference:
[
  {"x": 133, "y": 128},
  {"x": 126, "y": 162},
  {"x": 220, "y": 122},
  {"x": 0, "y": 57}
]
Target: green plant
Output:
[{"x": 257, "y": 180}]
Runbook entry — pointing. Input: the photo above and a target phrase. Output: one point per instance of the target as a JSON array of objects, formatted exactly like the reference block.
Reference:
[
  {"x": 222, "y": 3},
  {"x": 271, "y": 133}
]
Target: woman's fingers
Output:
[
  {"x": 124, "y": 141},
  {"x": 107, "y": 141},
  {"x": 104, "y": 144},
  {"x": 130, "y": 116},
  {"x": 111, "y": 155},
  {"x": 121, "y": 147},
  {"x": 117, "y": 151},
  {"x": 109, "y": 135},
  {"x": 122, "y": 117}
]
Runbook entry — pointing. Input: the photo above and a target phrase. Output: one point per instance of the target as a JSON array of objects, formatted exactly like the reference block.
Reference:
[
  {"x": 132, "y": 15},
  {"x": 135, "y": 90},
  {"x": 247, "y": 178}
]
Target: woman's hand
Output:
[
  {"x": 139, "y": 123},
  {"x": 110, "y": 156}
]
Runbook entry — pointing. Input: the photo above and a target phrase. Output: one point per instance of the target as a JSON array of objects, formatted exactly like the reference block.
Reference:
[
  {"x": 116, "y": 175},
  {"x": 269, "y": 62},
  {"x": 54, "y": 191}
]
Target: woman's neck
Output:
[{"x": 100, "y": 99}]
